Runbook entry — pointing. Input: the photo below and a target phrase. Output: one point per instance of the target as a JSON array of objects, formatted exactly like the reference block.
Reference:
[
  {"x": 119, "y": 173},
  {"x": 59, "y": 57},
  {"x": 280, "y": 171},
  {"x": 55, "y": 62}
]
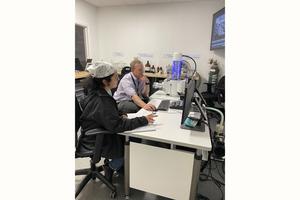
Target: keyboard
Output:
[
  {"x": 155, "y": 102},
  {"x": 176, "y": 105},
  {"x": 164, "y": 105}
]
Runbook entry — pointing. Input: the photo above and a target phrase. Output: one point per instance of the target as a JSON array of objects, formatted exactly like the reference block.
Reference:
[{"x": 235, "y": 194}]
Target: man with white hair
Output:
[{"x": 133, "y": 90}]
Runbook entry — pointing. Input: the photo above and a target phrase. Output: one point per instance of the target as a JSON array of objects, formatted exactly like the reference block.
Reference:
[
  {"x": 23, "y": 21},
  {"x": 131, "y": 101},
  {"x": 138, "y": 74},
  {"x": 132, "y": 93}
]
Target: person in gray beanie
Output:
[{"x": 100, "y": 111}]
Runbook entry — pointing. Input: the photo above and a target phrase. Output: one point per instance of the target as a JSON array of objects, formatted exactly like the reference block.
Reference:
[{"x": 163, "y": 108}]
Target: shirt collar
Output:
[
  {"x": 108, "y": 91},
  {"x": 135, "y": 78}
]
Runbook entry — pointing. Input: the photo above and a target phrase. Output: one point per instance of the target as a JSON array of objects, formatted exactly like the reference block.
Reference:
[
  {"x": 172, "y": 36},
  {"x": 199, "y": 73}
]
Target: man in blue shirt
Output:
[{"x": 133, "y": 90}]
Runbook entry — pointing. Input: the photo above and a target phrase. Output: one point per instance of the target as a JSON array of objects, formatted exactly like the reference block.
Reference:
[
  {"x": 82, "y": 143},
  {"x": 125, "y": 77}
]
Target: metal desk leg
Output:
[
  {"x": 126, "y": 167},
  {"x": 196, "y": 173}
]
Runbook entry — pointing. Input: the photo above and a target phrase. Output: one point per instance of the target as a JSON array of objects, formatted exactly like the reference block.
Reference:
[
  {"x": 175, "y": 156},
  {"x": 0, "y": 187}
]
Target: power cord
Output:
[
  {"x": 193, "y": 61},
  {"x": 210, "y": 177}
]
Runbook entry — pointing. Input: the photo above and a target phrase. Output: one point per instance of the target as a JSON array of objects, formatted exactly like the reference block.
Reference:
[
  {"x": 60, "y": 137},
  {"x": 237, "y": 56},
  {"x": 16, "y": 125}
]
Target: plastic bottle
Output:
[
  {"x": 177, "y": 65},
  {"x": 213, "y": 75}
]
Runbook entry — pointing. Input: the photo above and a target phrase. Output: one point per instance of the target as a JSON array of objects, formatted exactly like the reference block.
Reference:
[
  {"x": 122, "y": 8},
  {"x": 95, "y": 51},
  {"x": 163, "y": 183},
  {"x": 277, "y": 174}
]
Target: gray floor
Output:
[{"x": 96, "y": 190}]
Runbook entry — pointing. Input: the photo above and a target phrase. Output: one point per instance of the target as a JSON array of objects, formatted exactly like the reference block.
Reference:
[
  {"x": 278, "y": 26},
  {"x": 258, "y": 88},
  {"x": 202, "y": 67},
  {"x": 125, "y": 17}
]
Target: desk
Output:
[
  {"x": 152, "y": 78},
  {"x": 84, "y": 74},
  {"x": 81, "y": 74},
  {"x": 163, "y": 96},
  {"x": 155, "y": 75},
  {"x": 171, "y": 172}
]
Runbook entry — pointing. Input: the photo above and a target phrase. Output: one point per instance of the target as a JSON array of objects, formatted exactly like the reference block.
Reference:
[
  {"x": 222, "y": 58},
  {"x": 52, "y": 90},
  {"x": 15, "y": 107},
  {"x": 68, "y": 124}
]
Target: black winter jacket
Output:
[{"x": 100, "y": 111}]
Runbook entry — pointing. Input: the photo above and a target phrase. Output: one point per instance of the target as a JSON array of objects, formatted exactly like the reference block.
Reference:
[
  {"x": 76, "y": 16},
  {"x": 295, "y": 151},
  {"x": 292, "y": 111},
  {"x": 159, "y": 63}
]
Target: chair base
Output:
[{"x": 93, "y": 173}]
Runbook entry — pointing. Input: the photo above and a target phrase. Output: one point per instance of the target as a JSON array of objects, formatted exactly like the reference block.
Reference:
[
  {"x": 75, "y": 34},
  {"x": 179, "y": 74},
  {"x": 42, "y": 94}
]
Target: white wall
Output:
[
  {"x": 86, "y": 15},
  {"x": 159, "y": 29}
]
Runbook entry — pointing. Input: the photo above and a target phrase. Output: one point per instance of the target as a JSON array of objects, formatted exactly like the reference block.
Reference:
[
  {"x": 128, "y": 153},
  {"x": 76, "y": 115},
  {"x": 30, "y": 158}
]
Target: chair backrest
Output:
[
  {"x": 220, "y": 90},
  {"x": 125, "y": 70},
  {"x": 78, "y": 113}
]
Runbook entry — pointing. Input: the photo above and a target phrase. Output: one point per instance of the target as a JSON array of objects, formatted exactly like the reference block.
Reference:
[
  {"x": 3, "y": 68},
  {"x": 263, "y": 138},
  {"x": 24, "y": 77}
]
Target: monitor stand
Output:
[{"x": 199, "y": 127}]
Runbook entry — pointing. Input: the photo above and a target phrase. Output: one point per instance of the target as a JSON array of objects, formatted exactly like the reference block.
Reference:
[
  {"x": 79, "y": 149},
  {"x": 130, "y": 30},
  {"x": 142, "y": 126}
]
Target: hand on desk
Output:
[
  {"x": 150, "y": 118},
  {"x": 144, "y": 79},
  {"x": 149, "y": 107}
]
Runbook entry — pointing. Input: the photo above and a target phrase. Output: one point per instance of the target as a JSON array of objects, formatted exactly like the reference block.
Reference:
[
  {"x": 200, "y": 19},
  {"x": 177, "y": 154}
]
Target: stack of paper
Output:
[{"x": 142, "y": 112}]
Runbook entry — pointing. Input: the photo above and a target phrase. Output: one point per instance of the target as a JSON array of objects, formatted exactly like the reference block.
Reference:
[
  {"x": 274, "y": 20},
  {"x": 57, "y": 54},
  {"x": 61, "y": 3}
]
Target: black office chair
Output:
[
  {"x": 216, "y": 98},
  {"x": 218, "y": 95},
  {"x": 81, "y": 152},
  {"x": 78, "y": 65},
  {"x": 125, "y": 70}
]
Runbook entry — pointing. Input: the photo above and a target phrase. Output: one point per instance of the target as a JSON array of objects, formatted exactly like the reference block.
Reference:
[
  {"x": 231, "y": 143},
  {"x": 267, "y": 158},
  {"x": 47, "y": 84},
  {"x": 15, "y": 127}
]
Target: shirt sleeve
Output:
[
  {"x": 128, "y": 87},
  {"x": 141, "y": 86},
  {"x": 109, "y": 118}
]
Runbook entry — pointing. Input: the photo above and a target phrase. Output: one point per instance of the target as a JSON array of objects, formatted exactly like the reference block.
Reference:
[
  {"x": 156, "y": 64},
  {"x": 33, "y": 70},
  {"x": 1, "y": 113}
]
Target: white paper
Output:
[{"x": 142, "y": 112}]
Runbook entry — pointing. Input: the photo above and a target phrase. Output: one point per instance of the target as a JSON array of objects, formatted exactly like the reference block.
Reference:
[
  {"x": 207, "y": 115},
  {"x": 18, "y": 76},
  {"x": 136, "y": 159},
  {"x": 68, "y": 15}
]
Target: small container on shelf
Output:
[
  {"x": 147, "y": 67},
  {"x": 152, "y": 69}
]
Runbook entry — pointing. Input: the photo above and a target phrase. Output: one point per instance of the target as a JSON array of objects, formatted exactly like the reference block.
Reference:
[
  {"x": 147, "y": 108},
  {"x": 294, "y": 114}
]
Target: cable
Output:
[
  {"x": 209, "y": 176},
  {"x": 222, "y": 177},
  {"x": 223, "y": 167},
  {"x": 216, "y": 182},
  {"x": 193, "y": 61},
  {"x": 188, "y": 65},
  {"x": 218, "y": 111}
]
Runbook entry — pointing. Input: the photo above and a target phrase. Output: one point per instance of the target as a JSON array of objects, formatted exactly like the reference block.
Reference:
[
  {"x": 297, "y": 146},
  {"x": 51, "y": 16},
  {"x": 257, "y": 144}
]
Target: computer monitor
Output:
[
  {"x": 218, "y": 30},
  {"x": 88, "y": 63},
  {"x": 187, "y": 101},
  {"x": 78, "y": 65},
  {"x": 190, "y": 90}
]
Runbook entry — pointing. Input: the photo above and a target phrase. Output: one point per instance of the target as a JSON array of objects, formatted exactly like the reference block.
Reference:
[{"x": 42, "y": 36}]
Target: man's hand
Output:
[
  {"x": 150, "y": 118},
  {"x": 144, "y": 79},
  {"x": 149, "y": 107}
]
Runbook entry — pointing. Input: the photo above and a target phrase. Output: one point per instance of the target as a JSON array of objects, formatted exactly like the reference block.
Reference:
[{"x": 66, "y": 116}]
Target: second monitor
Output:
[{"x": 189, "y": 106}]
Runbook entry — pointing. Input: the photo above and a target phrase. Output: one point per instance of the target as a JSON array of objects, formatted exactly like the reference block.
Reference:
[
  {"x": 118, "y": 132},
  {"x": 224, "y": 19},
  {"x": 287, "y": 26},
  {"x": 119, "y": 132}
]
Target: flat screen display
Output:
[{"x": 218, "y": 30}]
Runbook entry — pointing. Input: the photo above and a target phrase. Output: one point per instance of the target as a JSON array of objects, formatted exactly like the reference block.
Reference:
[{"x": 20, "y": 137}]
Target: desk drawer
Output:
[{"x": 161, "y": 171}]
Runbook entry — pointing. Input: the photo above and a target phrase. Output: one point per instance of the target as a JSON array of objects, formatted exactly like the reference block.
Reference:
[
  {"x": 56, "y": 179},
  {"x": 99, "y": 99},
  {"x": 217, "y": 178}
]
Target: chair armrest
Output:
[{"x": 96, "y": 131}]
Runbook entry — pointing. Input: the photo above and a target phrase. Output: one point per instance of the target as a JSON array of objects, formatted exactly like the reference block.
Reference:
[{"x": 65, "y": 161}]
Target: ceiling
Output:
[{"x": 102, "y": 3}]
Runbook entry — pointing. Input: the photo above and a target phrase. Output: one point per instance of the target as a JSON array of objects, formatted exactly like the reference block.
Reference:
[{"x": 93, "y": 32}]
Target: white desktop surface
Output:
[
  {"x": 140, "y": 158},
  {"x": 163, "y": 96},
  {"x": 168, "y": 130}
]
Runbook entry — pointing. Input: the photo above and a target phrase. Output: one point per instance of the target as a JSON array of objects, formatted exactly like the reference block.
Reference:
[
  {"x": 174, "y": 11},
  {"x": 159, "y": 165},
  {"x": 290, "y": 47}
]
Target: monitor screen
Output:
[
  {"x": 190, "y": 91},
  {"x": 187, "y": 101},
  {"x": 218, "y": 30}
]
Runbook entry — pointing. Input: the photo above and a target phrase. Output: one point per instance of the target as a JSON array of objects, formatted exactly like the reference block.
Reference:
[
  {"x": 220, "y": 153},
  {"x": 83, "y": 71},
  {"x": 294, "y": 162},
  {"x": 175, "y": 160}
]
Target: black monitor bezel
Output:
[
  {"x": 184, "y": 101},
  {"x": 184, "y": 109}
]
